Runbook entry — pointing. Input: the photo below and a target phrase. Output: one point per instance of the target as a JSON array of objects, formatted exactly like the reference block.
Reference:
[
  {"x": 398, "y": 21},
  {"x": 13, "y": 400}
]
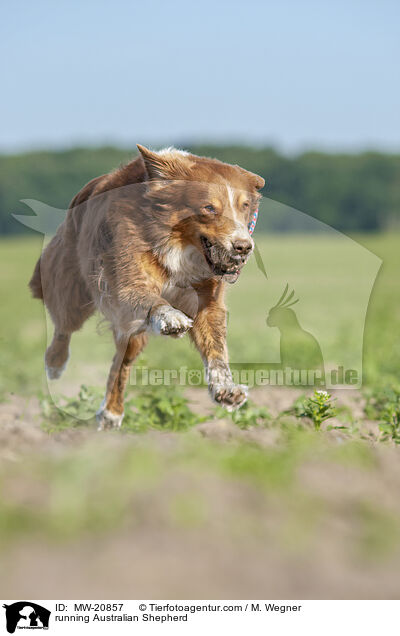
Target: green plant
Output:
[
  {"x": 247, "y": 416},
  {"x": 389, "y": 424},
  {"x": 378, "y": 398},
  {"x": 384, "y": 406},
  {"x": 317, "y": 408},
  {"x": 161, "y": 407},
  {"x": 73, "y": 411}
]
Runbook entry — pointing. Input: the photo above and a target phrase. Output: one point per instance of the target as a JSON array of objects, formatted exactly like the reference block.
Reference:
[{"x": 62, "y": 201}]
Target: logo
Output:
[{"x": 26, "y": 615}]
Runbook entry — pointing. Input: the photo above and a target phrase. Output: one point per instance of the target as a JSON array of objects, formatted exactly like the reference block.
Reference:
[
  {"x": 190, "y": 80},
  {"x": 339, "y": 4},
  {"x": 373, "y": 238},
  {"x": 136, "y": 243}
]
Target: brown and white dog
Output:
[{"x": 150, "y": 246}]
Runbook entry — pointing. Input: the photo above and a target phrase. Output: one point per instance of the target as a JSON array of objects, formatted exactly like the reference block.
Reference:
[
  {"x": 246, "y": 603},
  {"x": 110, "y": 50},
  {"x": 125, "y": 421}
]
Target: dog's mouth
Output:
[{"x": 220, "y": 261}]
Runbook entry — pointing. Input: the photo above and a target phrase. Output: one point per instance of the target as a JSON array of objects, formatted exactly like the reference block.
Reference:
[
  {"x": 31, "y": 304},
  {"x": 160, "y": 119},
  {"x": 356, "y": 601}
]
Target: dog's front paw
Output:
[
  {"x": 170, "y": 322},
  {"x": 231, "y": 396}
]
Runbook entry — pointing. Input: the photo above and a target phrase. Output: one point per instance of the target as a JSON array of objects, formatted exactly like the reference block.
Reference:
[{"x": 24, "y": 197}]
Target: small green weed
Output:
[
  {"x": 317, "y": 408},
  {"x": 162, "y": 408},
  {"x": 73, "y": 412},
  {"x": 390, "y": 422},
  {"x": 384, "y": 406},
  {"x": 248, "y": 416},
  {"x": 377, "y": 400}
]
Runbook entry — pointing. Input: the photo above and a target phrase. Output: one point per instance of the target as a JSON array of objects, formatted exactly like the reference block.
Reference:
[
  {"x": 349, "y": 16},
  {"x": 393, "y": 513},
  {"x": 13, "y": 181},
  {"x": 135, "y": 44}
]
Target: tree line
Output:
[{"x": 351, "y": 192}]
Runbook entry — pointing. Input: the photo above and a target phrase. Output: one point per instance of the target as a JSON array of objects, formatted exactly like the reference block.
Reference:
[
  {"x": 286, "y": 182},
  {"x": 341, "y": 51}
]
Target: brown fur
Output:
[{"x": 155, "y": 238}]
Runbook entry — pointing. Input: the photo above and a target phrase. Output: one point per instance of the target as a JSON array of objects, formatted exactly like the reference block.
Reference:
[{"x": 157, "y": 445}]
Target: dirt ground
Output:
[{"x": 248, "y": 545}]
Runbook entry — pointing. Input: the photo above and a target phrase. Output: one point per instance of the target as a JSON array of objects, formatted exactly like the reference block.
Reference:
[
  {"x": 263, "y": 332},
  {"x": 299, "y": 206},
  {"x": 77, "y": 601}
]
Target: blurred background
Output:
[{"x": 306, "y": 95}]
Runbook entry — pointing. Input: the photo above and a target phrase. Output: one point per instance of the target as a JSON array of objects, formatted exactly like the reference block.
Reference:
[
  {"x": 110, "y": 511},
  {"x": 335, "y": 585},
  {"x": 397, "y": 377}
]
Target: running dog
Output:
[{"x": 151, "y": 246}]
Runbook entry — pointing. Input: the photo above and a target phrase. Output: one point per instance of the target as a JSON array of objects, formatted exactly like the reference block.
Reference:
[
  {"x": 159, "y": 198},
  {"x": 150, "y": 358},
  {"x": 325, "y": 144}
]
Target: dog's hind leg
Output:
[
  {"x": 57, "y": 355},
  {"x": 111, "y": 411},
  {"x": 66, "y": 319},
  {"x": 58, "y": 281}
]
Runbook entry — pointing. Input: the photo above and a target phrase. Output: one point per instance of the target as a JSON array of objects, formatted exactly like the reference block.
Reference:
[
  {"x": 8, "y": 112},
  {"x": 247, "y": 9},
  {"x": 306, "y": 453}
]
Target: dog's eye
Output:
[
  {"x": 210, "y": 209},
  {"x": 246, "y": 205}
]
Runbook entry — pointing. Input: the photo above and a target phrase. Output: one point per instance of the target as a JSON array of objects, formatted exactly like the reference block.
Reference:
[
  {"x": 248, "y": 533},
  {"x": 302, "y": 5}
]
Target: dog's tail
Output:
[{"x": 36, "y": 282}]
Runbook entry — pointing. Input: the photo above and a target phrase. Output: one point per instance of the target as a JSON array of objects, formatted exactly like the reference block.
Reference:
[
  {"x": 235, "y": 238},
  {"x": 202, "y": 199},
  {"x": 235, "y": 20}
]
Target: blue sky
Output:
[{"x": 294, "y": 74}]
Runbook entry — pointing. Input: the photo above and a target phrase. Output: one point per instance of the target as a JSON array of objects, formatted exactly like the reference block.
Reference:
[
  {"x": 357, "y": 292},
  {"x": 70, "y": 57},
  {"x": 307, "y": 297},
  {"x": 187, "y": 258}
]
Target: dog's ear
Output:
[
  {"x": 258, "y": 181},
  {"x": 166, "y": 164},
  {"x": 255, "y": 180}
]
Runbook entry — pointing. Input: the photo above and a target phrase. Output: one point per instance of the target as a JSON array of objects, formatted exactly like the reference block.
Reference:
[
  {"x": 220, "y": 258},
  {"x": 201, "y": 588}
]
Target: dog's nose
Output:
[{"x": 242, "y": 246}]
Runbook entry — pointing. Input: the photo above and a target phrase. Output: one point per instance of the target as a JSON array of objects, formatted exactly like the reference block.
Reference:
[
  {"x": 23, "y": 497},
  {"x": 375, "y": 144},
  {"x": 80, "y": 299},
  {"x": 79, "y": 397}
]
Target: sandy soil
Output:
[{"x": 240, "y": 552}]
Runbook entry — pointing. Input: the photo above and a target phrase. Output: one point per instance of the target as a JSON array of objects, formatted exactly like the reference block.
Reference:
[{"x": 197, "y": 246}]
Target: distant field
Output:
[{"x": 311, "y": 265}]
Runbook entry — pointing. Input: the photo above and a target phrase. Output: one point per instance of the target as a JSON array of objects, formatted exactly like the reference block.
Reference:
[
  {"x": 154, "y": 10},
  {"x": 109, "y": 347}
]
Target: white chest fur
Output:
[{"x": 186, "y": 266}]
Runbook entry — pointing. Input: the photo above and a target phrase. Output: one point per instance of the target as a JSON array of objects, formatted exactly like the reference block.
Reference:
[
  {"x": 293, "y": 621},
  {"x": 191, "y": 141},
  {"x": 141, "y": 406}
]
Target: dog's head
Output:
[{"x": 209, "y": 205}]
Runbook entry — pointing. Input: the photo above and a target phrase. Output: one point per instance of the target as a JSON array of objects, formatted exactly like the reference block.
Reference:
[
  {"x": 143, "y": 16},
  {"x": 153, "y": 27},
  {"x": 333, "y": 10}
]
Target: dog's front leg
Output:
[
  {"x": 168, "y": 321},
  {"x": 209, "y": 335},
  {"x": 139, "y": 302},
  {"x": 152, "y": 313}
]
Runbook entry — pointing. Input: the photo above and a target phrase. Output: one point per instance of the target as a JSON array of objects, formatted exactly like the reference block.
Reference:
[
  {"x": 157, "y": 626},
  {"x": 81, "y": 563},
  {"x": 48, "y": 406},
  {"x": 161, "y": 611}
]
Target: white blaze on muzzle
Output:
[{"x": 240, "y": 231}]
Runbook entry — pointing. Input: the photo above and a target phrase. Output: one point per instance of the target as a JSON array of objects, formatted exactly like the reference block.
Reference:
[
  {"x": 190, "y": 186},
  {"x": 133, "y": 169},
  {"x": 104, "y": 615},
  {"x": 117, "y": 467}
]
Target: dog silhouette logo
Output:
[
  {"x": 26, "y": 615},
  {"x": 299, "y": 349}
]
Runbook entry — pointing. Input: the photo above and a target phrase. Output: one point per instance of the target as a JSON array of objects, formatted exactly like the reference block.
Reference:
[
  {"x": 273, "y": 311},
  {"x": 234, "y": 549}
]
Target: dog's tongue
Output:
[{"x": 231, "y": 278}]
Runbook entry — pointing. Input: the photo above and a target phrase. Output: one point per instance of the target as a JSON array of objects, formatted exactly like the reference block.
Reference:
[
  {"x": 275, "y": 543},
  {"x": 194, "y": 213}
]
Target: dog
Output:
[{"x": 151, "y": 246}]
